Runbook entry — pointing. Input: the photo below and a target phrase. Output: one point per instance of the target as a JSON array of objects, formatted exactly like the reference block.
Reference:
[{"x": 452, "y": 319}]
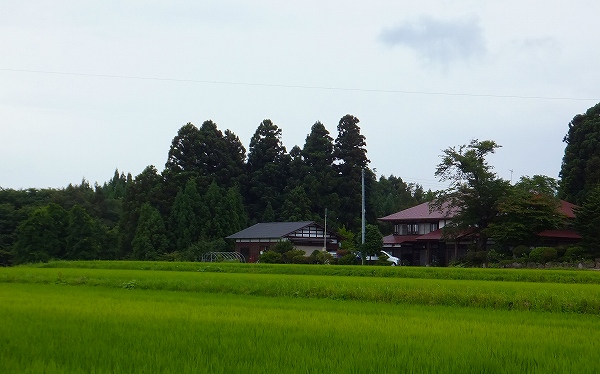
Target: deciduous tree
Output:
[
  {"x": 527, "y": 208},
  {"x": 42, "y": 236},
  {"x": 474, "y": 189}
]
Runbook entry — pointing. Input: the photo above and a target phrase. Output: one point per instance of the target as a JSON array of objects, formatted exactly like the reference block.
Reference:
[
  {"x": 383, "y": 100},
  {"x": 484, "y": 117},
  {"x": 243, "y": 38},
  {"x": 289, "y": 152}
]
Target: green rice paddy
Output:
[{"x": 116, "y": 318}]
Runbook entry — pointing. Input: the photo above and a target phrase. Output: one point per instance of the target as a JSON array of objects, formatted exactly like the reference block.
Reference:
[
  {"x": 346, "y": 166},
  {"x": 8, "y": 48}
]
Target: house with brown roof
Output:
[
  {"x": 417, "y": 235},
  {"x": 307, "y": 236}
]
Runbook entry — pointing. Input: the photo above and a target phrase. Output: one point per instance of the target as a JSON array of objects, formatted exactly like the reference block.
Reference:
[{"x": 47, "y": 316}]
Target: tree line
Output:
[{"x": 210, "y": 187}]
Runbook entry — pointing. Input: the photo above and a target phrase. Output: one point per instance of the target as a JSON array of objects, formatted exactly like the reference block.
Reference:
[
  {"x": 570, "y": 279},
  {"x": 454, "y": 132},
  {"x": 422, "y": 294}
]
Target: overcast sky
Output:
[{"x": 87, "y": 87}]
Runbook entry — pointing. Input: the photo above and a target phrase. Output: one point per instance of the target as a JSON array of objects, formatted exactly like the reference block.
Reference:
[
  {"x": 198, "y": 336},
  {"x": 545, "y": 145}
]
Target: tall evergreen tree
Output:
[
  {"x": 236, "y": 155},
  {"x": 297, "y": 206},
  {"x": 150, "y": 240},
  {"x": 320, "y": 177},
  {"x": 145, "y": 188},
  {"x": 82, "y": 242},
  {"x": 392, "y": 194},
  {"x": 115, "y": 187},
  {"x": 268, "y": 164},
  {"x": 183, "y": 160},
  {"x": 351, "y": 155},
  {"x": 213, "y": 220},
  {"x": 587, "y": 222},
  {"x": 184, "y": 225},
  {"x": 235, "y": 211},
  {"x": 580, "y": 170}
]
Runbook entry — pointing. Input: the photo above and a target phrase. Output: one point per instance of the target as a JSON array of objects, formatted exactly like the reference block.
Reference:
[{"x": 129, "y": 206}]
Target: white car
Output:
[{"x": 394, "y": 260}]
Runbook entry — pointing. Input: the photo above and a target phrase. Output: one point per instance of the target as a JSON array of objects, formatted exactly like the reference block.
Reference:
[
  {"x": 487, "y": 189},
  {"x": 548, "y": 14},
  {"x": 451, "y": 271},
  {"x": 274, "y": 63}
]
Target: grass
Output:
[
  {"x": 55, "y": 329},
  {"x": 141, "y": 317},
  {"x": 551, "y": 297},
  {"x": 504, "y": 275}
]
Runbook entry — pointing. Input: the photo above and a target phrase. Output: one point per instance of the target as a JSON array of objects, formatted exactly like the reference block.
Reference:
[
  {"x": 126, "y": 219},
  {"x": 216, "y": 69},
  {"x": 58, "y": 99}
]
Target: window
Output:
[{"x": 413, "y": 229}]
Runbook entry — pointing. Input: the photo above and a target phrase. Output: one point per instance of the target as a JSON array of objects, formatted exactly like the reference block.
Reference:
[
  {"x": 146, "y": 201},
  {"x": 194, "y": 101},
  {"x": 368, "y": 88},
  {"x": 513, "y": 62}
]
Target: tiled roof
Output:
[
  {"x": 269, "y": 230},
  {"x": 434, "y": 235},
  {"x": 399, "y": 239},
  {"x": 566, "y": 208},
  {"x": 420, "y": 212},
  {"x": 562, "y": 234}
]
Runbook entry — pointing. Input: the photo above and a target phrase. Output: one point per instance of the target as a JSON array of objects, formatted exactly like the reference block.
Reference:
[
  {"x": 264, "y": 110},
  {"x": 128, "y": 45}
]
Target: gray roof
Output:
[{"x": 270, "y": 230}]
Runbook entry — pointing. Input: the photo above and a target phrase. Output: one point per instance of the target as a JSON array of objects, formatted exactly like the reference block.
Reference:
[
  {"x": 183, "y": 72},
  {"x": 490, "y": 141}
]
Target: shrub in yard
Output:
[
  {"x": 288, "y": 257},
  {"x": 561, "y": 250},
  {"x": 543, "y": 254},
  {"x": 494, "y": 256},
  {"x": 283, "y": 246},
  {"x": 476, "y": 258},
  {"x": 347, "y": 259},
  {"x": 575, "y": 253},
  {"x": 521, "y": 251},
  {"x": 324, "y": 258},
  {"x": 270, "y": 257},
  {"x": 382, "y": 260},
  {"x": 302, "y": 260}
]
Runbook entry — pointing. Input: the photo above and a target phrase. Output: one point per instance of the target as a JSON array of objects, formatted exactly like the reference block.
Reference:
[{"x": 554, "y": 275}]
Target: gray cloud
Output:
[{"x": 438, "y": 40}]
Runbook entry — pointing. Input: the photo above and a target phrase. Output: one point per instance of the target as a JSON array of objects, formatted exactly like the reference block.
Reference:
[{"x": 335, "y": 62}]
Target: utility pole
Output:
[
  {"x": 325, "y": 233},
  {"x": 363, "y": 204}
]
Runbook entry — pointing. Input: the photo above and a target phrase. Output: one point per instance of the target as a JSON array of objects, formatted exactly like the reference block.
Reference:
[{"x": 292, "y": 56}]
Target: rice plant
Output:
[{"x": 53, "y": 328}]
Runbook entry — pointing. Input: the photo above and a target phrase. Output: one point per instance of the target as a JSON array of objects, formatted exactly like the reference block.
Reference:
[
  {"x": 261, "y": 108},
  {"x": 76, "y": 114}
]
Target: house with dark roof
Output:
[
  {"x": 307, "y": 236},
  {"x": 417, "y": 235}
]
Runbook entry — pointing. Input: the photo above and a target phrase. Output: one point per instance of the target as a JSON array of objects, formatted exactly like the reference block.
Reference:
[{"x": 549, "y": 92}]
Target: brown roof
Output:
[
  {"x": 562, "y": 234},
  {"x": 420, "y": 212},
  {"x": 567, "y": 208},
  {"x": 399, "y": 239},
  {"x": 434, "y": 235}
]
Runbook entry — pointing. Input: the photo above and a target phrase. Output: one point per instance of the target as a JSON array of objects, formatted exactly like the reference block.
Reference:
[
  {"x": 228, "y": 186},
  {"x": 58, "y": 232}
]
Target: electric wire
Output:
[{"x": 296, "y": 86}]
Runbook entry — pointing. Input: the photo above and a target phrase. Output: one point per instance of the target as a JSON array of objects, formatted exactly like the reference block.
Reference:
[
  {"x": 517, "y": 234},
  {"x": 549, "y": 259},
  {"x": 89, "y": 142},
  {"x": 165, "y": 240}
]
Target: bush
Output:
[
  {"x": 271, "y": 257},
  {"x": 494, "y": 256},
  {"x": 320, "y": 257},
  {"x": 347, "y": 259},
  {"x": 543, "y": 254},
  {"x": 476, "y": 258},
  {"x": 289, "y": 257},
  {"x": 283, "y": 246},
  {"x": 521, "y": 251},
  {"x": 382, "y": 260},
  {"x": 575, "y": 254}
]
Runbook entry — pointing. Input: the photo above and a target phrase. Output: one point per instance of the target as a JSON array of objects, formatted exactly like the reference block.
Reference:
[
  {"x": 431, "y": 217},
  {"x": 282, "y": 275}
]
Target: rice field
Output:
[{"x": 122, "y": 320}]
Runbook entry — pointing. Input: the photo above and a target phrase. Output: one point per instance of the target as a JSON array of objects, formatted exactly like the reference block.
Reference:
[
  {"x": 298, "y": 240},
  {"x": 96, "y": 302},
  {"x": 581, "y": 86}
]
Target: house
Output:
[
  {"x": 417, "y": 237},
  {"x": 307, "y": 236}
]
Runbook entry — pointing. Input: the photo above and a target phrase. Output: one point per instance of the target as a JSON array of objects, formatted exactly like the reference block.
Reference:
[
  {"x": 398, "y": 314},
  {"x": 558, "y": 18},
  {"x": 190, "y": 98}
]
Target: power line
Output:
[{"x": 406, "y": 92}]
